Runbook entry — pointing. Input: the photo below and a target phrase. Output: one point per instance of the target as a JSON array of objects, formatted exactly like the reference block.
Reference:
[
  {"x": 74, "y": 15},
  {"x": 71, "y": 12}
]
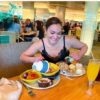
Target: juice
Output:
[
  {"x": 93, "y": 69},
  {"x": 98, "y": 77}
]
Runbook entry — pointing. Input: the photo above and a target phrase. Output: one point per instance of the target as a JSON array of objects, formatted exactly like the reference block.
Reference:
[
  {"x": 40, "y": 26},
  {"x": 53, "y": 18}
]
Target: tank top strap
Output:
[
  {"x": 43, "y": 44},
  {"x": 64, "y": 41}
]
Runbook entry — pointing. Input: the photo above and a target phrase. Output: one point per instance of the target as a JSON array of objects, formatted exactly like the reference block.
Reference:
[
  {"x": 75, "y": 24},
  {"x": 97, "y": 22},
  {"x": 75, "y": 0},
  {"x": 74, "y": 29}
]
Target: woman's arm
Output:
[
  {"x": 80, "y": 46},
  {"x": 28, "y": 55},
  {"x": 77, "y": 55}
]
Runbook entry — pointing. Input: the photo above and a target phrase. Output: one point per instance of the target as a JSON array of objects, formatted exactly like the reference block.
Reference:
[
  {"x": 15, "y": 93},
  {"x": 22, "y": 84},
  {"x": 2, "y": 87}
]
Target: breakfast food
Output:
[
  {"x": 72, "y": 68},
  {"x": 44, "y": 82},
  {"x": 50, "y": 70},
  {"x": 46, "y": 68},
  {"x": 79, "y": 71},
  {"x": 63, "y": 65},
  {"x": 30, "y": 75},
  {"x": 79, "y": 68},
  {"x": 79, "y": 65}
]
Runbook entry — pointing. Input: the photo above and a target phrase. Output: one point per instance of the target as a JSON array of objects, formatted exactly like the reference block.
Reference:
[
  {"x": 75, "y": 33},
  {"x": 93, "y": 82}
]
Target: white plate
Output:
[
  {"x": 35, "y": 85},
  {"x": 66, "y": 73}
]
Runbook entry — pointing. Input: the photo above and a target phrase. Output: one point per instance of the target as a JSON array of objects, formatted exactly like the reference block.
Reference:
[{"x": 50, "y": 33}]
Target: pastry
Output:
[
  {"x": 63, "y": 66},
  {"x": 72, "y": 68}
]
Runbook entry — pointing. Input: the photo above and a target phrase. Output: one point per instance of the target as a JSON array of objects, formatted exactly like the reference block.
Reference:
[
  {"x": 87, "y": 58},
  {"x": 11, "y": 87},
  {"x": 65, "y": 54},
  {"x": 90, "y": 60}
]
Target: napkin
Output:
[{"x": 9, "y": 89}]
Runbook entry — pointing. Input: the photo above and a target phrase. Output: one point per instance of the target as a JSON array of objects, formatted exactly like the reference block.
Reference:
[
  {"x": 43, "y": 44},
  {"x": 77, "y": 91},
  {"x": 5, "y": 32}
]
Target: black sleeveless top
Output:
[{"x": 62, "y": 54}]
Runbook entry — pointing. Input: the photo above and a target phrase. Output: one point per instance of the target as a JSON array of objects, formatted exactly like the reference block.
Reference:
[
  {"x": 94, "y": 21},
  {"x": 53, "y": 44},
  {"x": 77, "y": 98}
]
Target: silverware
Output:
[
  {"x": 64, "y": 72},
  {"x": 29, "y": 90}
]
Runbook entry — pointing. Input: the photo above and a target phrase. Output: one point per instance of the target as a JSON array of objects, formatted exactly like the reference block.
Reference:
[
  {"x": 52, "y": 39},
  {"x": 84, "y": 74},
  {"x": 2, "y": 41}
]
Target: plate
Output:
[
  {"x": 35, "y": 85},
  {"x": 66, "y": 73}
]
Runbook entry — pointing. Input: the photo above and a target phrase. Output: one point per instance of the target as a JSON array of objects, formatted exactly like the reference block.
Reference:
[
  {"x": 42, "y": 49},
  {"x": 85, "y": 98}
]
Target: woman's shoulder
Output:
[
  {"x": 69, "y": 37},
  {"x": 37, "y": 44}
]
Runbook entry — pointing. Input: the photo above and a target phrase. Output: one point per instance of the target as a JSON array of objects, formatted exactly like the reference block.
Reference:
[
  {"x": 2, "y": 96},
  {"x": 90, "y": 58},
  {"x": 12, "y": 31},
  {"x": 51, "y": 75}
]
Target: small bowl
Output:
[
  {"x": 55, "y": 69},
  {"x": 44, "y": 82},
  {"x": 30, "y": 76},
  {"x": 52, "y": 77}
]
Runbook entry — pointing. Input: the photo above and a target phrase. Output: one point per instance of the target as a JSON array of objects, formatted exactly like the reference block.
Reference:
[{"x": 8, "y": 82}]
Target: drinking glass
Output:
[
  {"x": 92, "y": 71},
  {"x": 98, "y": 77}
]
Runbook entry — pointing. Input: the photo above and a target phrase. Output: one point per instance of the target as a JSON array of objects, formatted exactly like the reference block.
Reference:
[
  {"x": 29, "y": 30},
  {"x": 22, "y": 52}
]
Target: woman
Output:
[{"x": 55, "y": 46}]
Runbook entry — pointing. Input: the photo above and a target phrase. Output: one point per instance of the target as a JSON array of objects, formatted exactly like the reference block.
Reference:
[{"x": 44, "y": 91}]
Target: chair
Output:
[
  {"x": 10, "y": 64},
  {"x": 20, "y": 38}
]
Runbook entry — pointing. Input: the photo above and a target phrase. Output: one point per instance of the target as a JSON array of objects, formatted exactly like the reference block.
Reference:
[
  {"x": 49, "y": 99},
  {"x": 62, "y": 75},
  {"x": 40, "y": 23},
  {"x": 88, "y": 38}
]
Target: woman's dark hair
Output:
[
  {"x": 53, "y": 20},
  {"x": 40, "y": 29}
]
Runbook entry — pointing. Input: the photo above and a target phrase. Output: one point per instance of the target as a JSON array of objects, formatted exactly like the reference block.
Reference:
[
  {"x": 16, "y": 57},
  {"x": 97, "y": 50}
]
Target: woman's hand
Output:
[
  {"x": 75, "y": 55},
  {"x": 38, "y": 58}
]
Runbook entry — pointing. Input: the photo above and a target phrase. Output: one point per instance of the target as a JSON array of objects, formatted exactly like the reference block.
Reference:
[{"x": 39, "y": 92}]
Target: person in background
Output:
[
  {"x": 54, "y": 47},
  {"x": 28, "y": 25},
  {"x": 66, "y": 28},
  {"x": 39, "y": 27},
  {"x": 73, "y": 29},
  {"x": 15, "y": 26},
  {"x": 78, "y": 31}
]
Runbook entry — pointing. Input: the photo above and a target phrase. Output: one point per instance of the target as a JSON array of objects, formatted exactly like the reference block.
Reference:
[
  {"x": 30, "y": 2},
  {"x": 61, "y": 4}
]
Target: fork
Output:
[{"x": 29, "y": 90}]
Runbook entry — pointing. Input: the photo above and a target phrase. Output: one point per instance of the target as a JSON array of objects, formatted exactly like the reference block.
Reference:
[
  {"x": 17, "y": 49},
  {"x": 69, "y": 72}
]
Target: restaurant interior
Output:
[{"x": 83, "y": 22}]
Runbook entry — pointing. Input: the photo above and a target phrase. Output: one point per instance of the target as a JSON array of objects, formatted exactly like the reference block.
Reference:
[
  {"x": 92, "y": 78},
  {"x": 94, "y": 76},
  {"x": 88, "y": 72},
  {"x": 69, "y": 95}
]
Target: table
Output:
[
  {"x": 29, "y": 33},
  {"x": 66, "y": 90},
  {"x": 28, "y": 36}
]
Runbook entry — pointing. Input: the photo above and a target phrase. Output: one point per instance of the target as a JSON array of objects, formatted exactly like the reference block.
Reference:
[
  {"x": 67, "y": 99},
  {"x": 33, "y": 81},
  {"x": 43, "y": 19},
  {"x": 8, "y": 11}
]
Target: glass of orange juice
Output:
[{"x": 92, "y": 71}]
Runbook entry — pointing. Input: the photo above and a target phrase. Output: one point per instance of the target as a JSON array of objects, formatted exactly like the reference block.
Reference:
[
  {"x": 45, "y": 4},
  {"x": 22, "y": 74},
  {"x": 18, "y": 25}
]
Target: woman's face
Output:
[{"x": 54, "y": 33}]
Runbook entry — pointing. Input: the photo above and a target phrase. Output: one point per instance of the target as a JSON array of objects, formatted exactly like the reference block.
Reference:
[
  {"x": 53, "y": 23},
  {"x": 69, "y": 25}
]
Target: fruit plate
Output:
[
  {"x": 67, "y": 73},
  {"x": 35, "y": 85}
]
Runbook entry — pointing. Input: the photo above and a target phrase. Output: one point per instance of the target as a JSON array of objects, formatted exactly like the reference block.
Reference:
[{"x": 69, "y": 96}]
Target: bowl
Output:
[
  {"x": 44, "y": 82},
  {"x": 53, "y": 70},
  {"x": 52, "y": 77},
  {"x": 30, "y": 76},
  {"x": 42, "y": 66}
]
